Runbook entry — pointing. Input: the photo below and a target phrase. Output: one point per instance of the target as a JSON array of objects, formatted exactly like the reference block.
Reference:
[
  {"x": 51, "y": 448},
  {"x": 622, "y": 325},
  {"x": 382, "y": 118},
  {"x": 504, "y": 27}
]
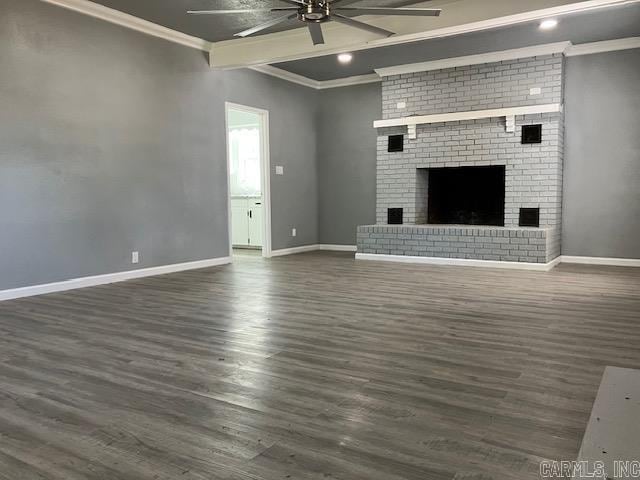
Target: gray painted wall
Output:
[
  {"x": 292, "y": 124},
  {"x": 602, "y": 156},
  {"x": 347, "y": 160},
  {"x": 601, "y": 197},
  {"x": 113, "y": 141}
]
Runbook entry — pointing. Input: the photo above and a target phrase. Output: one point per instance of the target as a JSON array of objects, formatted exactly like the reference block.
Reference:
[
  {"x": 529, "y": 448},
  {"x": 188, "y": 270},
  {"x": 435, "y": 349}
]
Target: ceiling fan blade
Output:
[
  {"x": 316, "y": 33},
  {"x": 265, "y": 25},
  {"x": 361, "y": 25},
  {"x": 294, "y": 2},
  {"x": 245, "y": 10},
  {"x": 421, "y": 12}
]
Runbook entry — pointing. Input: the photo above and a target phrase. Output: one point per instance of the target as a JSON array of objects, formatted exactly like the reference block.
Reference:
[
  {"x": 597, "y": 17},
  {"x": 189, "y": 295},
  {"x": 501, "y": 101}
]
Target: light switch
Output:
[{"x": 279, "y": 170}]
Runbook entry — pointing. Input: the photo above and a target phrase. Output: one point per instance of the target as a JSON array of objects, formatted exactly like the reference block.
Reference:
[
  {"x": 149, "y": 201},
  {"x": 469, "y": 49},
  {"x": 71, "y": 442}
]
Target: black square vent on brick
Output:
[
  {"x": 394, "y": 216},
  {"x": 396, "y": 143},
  {"x": 529, "y": 217},
  {"x": 532, "y": 134}
]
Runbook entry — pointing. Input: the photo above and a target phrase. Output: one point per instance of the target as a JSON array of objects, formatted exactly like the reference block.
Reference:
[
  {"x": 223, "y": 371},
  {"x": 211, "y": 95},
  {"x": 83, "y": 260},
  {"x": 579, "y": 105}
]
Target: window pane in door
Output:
[{"x": 244, "y": 148}]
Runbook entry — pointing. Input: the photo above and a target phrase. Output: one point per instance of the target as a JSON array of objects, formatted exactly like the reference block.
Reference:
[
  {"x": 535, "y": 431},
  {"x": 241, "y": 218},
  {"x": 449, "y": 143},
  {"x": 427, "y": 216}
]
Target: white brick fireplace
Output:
[{"x": 471, "y": 116}]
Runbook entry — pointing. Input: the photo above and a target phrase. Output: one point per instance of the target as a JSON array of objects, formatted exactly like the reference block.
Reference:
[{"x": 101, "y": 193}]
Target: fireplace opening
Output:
[{"x": 466, "y": 195}]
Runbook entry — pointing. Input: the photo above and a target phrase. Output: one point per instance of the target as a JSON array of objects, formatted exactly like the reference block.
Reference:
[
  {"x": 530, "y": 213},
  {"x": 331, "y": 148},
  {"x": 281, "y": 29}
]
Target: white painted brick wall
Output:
[
  {"x": 474, "y": 87},
  {"x": 533, "y": 172}
]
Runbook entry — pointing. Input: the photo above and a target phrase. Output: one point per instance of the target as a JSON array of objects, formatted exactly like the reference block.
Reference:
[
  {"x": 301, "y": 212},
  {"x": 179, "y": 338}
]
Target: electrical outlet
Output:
[
  {"x": 535, "y": 91},
  {"x": 279, "y": 170},
  {"x": 135, "y": 257},
  {"x": 294, "y": 232},
  {"x": 401, "y": 105}
]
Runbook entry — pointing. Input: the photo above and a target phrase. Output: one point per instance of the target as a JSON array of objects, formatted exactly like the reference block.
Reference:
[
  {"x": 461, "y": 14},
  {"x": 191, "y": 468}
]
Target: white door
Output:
[{"x": 248, "y": 156}]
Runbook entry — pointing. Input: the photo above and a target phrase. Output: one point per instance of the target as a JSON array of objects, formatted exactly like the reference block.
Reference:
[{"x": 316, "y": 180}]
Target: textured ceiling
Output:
[
  {"x": 173, "y": 14},
  {"x": 605, "y": 24}
]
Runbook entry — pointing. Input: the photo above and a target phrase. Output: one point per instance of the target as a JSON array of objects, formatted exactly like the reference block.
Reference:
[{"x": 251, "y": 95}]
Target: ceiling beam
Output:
[{"x": 457, "y": 18}]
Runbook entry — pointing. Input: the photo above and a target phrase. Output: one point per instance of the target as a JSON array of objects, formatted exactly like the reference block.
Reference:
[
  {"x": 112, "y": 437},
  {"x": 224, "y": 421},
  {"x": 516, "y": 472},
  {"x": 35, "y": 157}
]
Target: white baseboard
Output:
[
  {"x": 95, "y": 280},
  {"x": 293, "y": 250},
  {"x": 338, "y": 248},
  {"x": 618, "y": 262},
  {"x": 179, "y": 267},
  {"x": 544, "y": 267},
  {"x": 313, "y": 248}
]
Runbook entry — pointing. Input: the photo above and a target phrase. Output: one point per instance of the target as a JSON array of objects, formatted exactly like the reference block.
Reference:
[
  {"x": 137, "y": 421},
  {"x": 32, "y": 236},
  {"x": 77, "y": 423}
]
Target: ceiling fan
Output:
[{"x": 316, "y": 12}]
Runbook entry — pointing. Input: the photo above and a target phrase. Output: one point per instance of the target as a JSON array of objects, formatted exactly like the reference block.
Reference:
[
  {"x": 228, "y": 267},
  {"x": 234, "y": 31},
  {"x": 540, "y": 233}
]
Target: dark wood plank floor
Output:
[{"x": 312, "y": 366}]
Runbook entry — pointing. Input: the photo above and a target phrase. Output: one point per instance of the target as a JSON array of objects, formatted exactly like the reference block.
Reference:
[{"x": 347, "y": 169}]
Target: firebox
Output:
[{"x": 466, "y": 195}]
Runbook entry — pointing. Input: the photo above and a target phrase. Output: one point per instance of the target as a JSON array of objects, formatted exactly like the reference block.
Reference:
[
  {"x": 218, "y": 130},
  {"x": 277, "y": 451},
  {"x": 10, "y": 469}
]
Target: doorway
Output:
[{"x": 247, "y": 131}]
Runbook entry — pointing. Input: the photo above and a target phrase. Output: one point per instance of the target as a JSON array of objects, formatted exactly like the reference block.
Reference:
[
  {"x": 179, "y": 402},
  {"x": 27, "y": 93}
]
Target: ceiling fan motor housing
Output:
[{"x": 316, "y": 13}]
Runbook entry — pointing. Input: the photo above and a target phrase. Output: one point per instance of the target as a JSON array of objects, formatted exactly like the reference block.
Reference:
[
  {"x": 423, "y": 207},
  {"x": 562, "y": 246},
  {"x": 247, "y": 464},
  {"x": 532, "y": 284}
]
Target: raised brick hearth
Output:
[
  {"x": 515, "y": 244},
  {"x": 533, "y": 172}
]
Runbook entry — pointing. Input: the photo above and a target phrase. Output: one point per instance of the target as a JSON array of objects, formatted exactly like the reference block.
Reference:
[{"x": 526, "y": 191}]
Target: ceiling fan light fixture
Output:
[
  {"x": 314, "y": 13},
  {"x": 345, "y": 58},
  {"x": 548, "y": 24}
]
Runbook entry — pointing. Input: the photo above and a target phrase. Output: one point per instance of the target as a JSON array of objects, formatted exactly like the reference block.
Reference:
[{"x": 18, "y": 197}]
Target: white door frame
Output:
[{"x": 265, "y": 173}]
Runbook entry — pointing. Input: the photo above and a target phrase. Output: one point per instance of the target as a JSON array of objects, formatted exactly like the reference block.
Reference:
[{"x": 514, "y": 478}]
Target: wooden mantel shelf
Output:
[{"x": 509, "y": 113}]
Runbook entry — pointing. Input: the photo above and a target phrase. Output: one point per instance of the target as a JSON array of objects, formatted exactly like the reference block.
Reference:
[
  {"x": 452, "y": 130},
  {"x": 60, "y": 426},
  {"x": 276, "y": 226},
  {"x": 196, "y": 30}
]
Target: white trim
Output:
[
  {"x": 619, "y": 262},
  {"x": 294, "y": 250},
  {"x": 107, "y": 278},
  {"x": 606, "y": 46},
  {"x": 348, "y": 81},
  {"x": 283, "y": 41},
  {"x": 316, "y": 84},
  {"x": 567, "y": 48},
  {"x": 144, "y": 26},
  {"x": 470, "y": 115},
  {"x": 312, "y": 248},
  {"x": 285, "y": 75},
  {"x": 489, "y": 57},
  {"x": 134, "y": 23},
  {"x": 463, "y": 262},
  {"x": 576, "y": 7},
  {"x": 117, "y": 17},
  {"x": 338, "y": 248},
  {"x": 265, "y": 173}
]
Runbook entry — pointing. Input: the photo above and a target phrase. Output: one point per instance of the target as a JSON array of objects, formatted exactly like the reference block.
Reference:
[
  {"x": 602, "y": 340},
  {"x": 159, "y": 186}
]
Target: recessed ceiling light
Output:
[
  {"x": 345, "y": 57},
  {"x": 548, "y": 24}
]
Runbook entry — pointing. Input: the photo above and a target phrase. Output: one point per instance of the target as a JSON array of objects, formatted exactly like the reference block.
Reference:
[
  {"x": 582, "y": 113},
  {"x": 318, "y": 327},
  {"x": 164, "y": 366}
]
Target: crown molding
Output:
[
  {"x": 285, "y": 75},
  {"x": 348, "y": 81},
  {"x": 117, "y": 17},
  {"x": 601, "y": 47},
  {"x": 285, "y": 46},
  {"x": 498, "y": 22},
  {"x": 490, "y": 57},
  {"x": 134, "y": 23},
  {"x": 566, "y": 48},
  {"x": 315, "y": 84}
]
